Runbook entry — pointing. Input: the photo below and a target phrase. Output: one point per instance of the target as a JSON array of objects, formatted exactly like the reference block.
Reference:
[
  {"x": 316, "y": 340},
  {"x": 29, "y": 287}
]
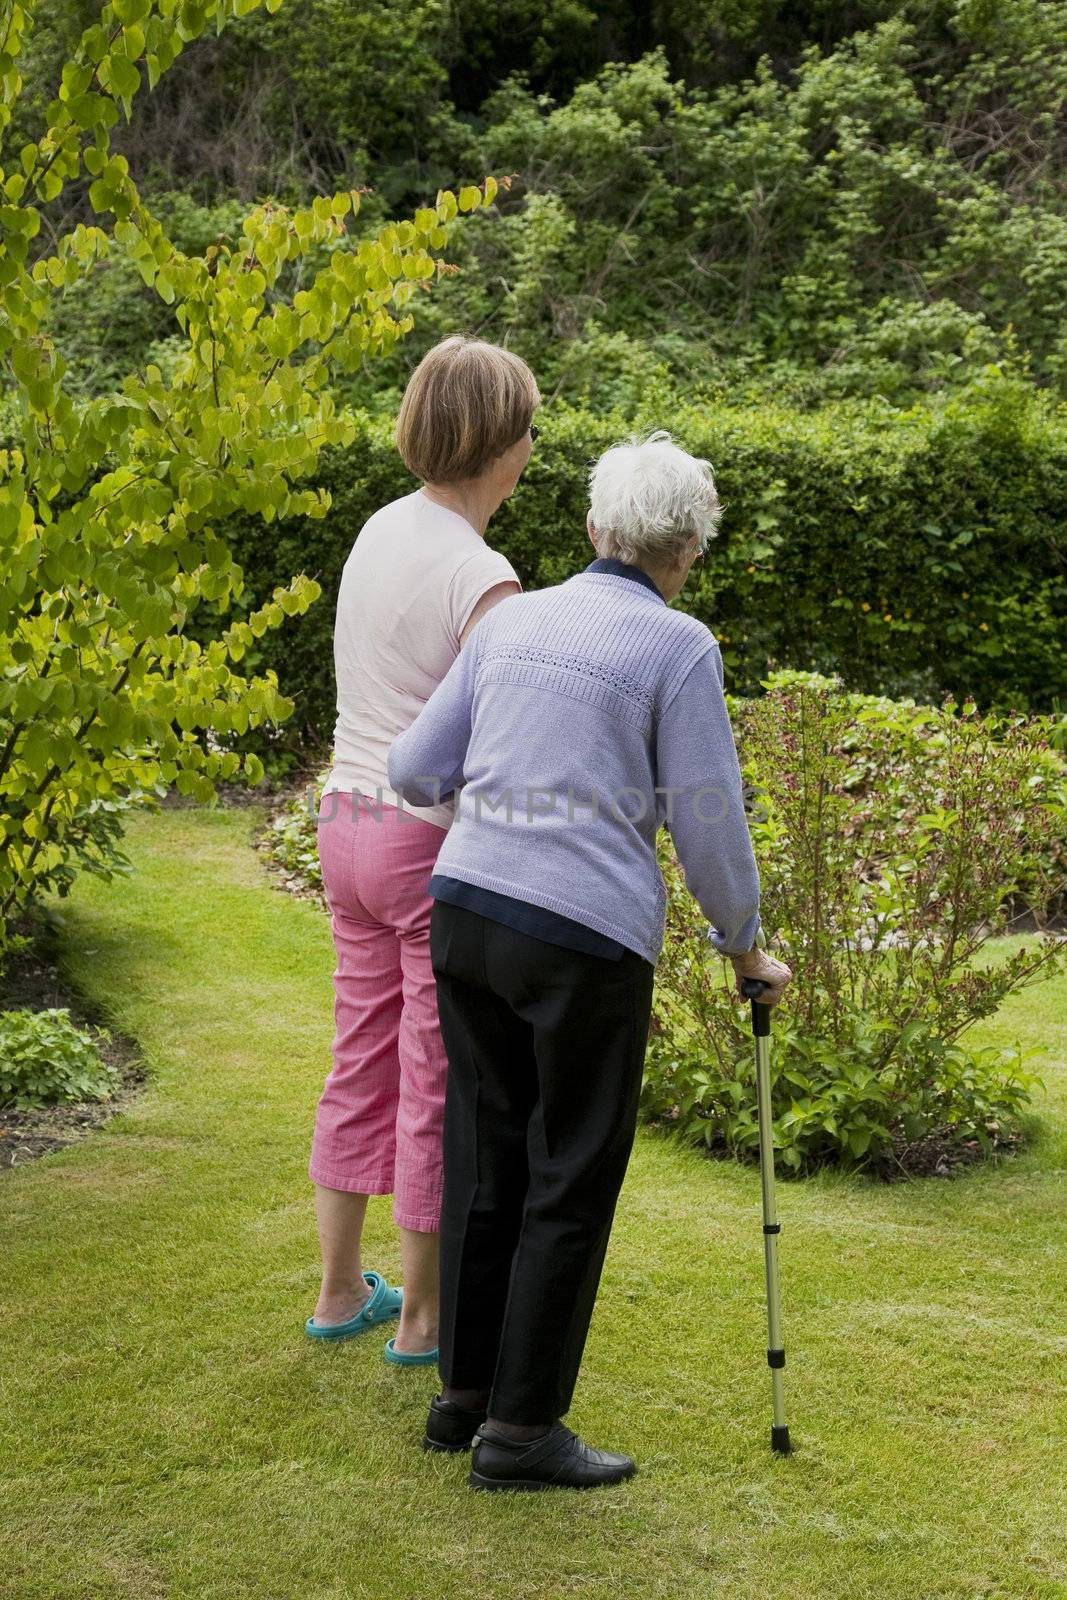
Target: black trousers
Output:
[{"x": 546, "y": 1050}]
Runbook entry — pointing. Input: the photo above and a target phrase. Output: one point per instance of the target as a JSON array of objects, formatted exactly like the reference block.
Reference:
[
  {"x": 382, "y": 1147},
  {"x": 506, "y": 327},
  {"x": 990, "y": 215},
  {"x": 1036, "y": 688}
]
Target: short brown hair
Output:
[{"x": 466, "y": 403}]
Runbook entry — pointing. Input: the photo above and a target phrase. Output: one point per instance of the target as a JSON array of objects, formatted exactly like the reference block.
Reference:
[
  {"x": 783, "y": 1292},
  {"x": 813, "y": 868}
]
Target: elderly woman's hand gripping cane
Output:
[{"x": 758, "y": 964}]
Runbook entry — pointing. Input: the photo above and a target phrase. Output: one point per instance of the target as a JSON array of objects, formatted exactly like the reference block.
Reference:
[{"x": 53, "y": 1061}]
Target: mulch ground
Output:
[{"x": 941, "y": 1154}]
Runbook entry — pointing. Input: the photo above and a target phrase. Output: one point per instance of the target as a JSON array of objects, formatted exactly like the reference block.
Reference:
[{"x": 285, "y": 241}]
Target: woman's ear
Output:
[{"x": 590, "y": 529}]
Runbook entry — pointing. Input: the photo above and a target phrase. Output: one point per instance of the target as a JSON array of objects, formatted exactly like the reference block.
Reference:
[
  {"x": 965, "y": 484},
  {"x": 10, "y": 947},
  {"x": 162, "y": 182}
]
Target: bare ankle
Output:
[
  {"x": 421, "y": 1312},
  {"x": 348, "y": 1297}
]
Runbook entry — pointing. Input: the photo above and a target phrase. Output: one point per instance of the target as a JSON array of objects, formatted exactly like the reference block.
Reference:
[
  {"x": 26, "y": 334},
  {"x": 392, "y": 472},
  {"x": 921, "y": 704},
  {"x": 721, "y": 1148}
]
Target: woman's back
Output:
[
  {"x": 577, "y": 720},
  {"x": 414, "y": 576}
]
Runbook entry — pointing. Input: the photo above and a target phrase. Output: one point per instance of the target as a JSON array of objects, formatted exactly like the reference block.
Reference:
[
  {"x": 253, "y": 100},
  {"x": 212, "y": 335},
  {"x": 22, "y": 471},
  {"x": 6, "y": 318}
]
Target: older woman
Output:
[
  {"x": 576, "y": 720},
  {"x": 418, "y": 579}
]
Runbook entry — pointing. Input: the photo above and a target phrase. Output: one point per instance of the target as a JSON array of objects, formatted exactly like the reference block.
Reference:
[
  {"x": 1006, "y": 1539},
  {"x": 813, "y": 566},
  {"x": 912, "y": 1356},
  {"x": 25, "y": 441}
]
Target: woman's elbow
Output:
[
  {"x": 412, "y": 795},
  {"x": 403, "y": 779}
]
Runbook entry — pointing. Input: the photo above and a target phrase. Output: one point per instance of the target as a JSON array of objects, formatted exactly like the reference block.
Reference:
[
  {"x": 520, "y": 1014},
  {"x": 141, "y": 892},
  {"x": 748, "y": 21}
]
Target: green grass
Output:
[{"x": 167, "y": 1431}]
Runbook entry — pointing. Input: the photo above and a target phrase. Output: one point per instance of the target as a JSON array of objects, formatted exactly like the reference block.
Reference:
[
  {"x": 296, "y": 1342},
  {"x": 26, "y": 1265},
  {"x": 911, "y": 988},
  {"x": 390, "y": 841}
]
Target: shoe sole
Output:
[
  {"x": 450, "y": 1449},
  {"x": 478, "y": 1480}
]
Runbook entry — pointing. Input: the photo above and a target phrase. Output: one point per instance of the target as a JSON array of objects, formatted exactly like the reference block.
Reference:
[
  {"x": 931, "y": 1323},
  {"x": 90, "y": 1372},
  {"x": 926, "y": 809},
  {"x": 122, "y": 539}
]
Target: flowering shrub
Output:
[
  {"x": 910, "y": 733},
  {"x": 893, "y": 840},
  {"x": 890, "y": 838}
]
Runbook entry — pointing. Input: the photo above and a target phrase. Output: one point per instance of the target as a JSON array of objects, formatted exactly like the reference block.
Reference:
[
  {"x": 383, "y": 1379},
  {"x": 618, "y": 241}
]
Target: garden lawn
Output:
[{"x": 166, "y": 1430}]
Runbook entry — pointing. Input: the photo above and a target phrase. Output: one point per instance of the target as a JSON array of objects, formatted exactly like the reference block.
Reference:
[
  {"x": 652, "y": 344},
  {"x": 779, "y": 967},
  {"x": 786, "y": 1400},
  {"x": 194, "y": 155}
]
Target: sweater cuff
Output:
[{"x": 744, "y": 941}]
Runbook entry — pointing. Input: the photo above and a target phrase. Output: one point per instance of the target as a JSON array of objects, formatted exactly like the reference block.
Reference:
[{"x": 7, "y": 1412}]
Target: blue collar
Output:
[{"x": 624, "y": 569}]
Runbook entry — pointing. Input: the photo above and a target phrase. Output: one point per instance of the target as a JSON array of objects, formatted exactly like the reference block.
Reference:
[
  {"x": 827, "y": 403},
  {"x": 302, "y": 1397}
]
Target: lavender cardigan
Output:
[{"x": 574, "y": 723}]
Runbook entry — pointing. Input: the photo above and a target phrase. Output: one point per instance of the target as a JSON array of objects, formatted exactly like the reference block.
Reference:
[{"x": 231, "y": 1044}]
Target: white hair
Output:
[{"x": 648, "y": 498}]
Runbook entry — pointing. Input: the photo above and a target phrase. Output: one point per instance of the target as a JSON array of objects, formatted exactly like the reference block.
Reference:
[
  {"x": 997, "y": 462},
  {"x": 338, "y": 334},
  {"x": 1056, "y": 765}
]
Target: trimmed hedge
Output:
[{"x": 911, "y": 552}]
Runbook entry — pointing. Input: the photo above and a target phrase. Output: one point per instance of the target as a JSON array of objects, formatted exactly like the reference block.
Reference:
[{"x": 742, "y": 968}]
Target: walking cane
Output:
[{"x": 752, "y": 988}]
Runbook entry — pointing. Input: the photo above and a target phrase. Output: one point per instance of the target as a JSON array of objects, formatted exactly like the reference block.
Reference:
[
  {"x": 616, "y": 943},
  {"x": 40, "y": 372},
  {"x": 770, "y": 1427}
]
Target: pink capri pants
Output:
[{"x": 379, "y": 1122}]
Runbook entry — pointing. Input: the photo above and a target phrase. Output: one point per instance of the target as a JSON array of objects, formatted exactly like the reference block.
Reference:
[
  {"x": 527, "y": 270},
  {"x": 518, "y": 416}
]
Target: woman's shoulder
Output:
[
  {"x": 690, "y": 631},
  {"x": 418, "y": 530},
  {"x": 402, "y": 509}
]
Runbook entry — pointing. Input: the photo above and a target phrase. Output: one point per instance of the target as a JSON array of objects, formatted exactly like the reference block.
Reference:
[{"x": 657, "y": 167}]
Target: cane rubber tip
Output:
[{"x": 780, "y": 1441}]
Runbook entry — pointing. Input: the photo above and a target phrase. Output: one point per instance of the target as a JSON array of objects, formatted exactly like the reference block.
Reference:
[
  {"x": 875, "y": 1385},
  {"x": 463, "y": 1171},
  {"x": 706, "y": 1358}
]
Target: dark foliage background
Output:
[{"x": 911, "y": 559}]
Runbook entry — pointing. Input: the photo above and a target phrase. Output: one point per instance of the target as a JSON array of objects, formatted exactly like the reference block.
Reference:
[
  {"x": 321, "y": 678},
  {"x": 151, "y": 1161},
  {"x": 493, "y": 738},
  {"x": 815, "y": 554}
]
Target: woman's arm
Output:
[
  {"x": 492, "y": 597},
  {"x": 697, "y": 767},
  {"x": 426, "y": 761}
]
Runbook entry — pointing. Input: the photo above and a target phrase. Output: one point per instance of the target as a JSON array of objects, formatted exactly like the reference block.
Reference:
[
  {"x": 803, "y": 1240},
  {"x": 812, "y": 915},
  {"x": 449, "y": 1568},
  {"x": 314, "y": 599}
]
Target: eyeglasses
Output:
[{"x": 534, "y": 432}]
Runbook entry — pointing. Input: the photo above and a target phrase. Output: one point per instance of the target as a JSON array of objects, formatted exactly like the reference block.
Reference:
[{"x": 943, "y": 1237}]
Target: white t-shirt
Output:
[{"x": 414, "y": 575}]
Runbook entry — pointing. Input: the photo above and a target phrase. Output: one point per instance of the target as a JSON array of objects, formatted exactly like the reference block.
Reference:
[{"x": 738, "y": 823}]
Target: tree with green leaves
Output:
[{"x": 108, "y": 508}]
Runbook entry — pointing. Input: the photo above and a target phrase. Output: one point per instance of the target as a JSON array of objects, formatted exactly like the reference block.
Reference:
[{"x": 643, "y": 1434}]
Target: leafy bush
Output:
[
  {"x": 759, "y": 197},
  {"x": 45, "y": 1058},
  {"x": 908, "y": 734},
  {"x": 108, "y": 506},
  {"x": 834, "y": 228},
  {"x": 888, "y": 838}
]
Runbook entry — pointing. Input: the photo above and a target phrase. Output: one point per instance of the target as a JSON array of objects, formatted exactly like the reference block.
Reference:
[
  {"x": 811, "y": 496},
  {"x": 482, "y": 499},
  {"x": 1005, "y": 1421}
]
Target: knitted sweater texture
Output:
[{"x": 574, "y": 723}]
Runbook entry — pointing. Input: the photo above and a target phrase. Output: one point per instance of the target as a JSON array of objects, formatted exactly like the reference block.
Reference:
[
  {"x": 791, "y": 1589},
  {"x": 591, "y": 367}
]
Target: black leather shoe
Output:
[
  {"x": 558, "y": 1460},
  {"x": 450, "y": 1427}
]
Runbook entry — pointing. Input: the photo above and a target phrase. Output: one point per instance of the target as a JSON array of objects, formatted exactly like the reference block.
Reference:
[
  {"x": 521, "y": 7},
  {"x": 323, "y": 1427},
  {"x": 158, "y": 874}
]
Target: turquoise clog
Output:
[
  {"x": 383, "y": 1303},
  {"x": 423, "y": 1359}
]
